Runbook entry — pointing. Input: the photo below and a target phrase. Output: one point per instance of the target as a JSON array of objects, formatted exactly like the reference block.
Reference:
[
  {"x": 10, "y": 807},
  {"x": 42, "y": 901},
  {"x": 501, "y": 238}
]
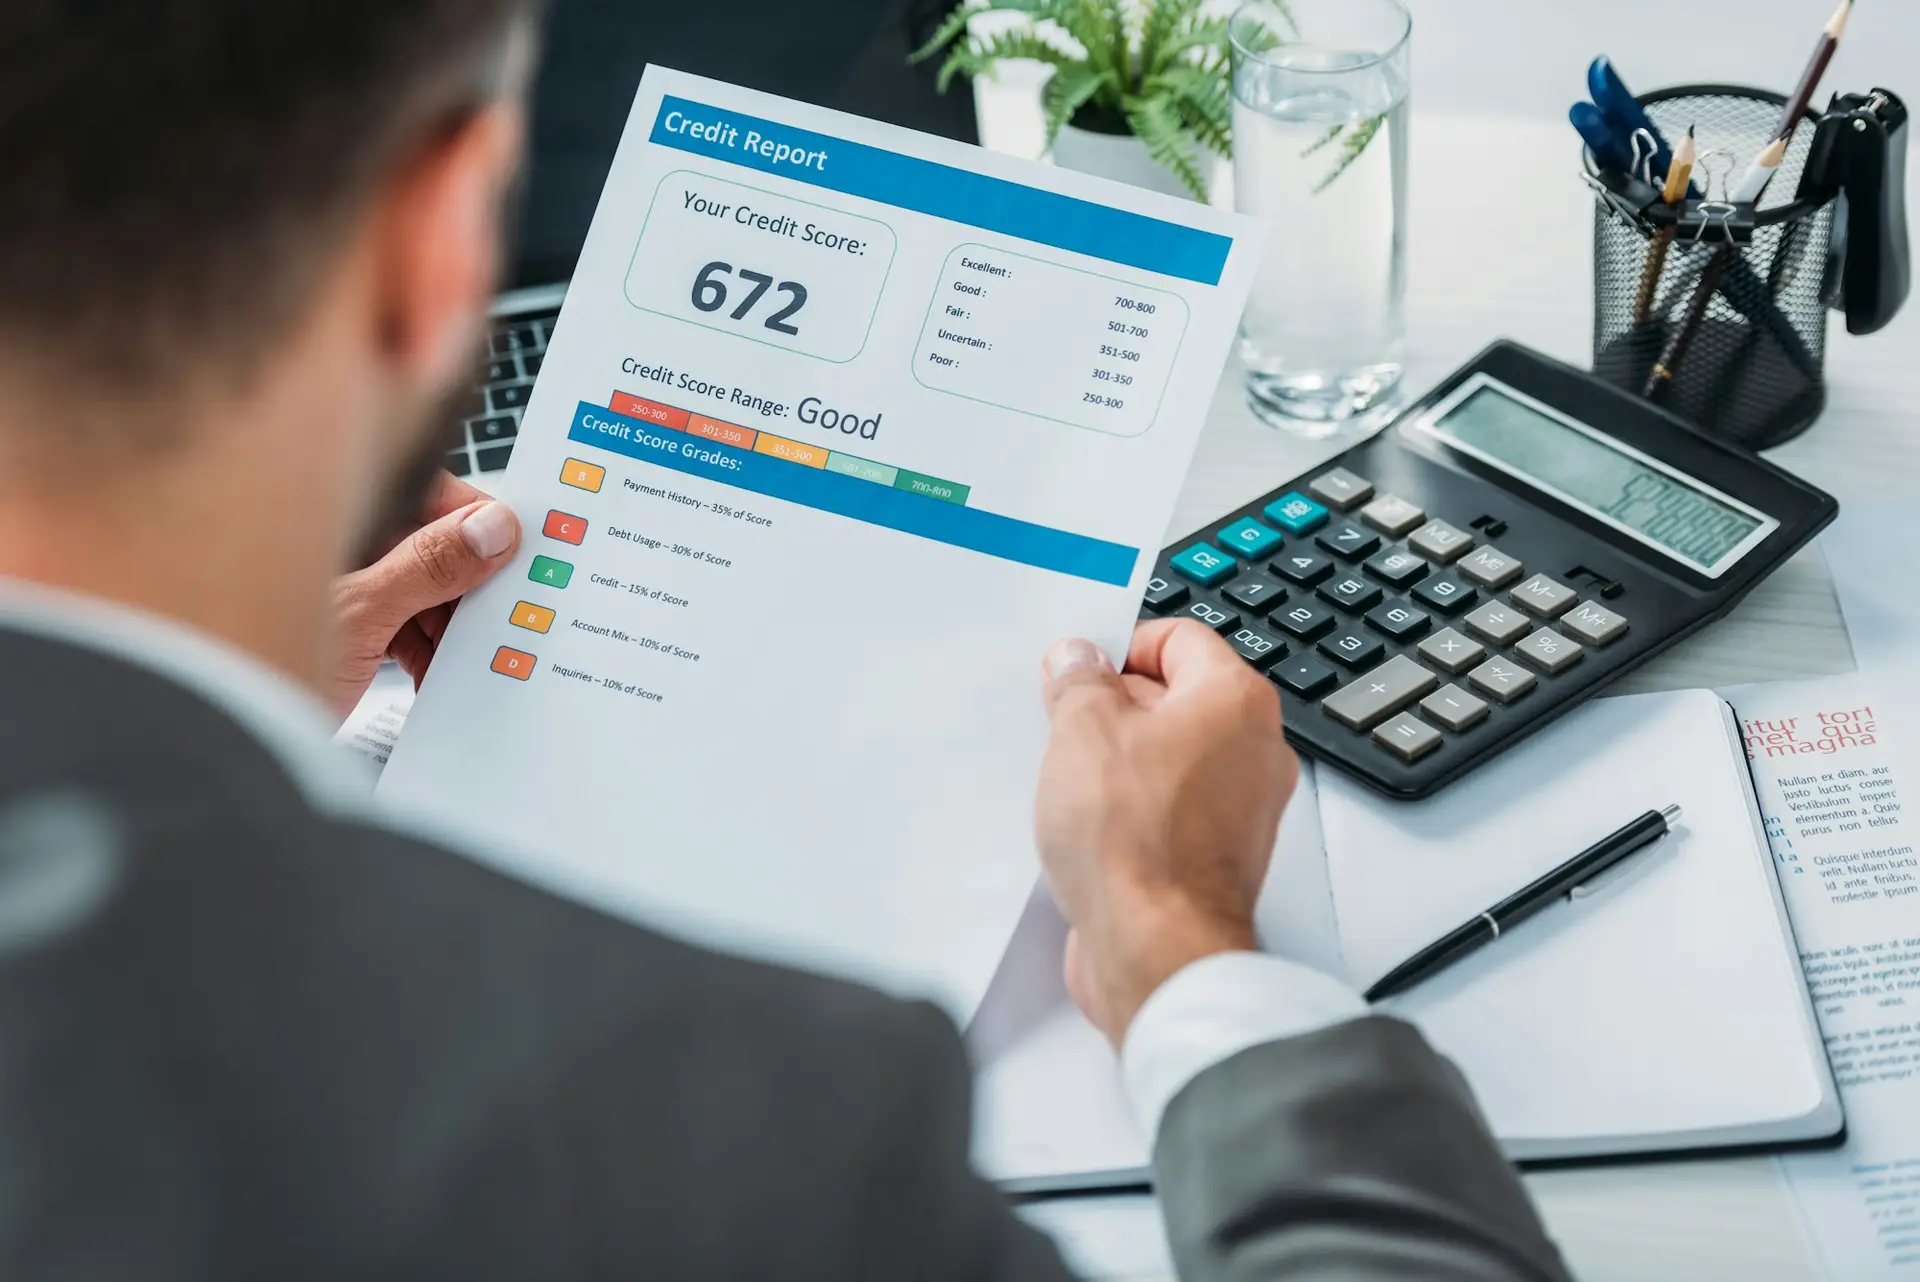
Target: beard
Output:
[{"x": 404, "y": 498}]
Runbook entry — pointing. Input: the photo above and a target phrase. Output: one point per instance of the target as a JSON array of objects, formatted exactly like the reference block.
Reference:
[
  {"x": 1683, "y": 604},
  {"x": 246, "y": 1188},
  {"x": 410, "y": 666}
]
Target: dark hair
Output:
[{"x": 174, "y": 172}]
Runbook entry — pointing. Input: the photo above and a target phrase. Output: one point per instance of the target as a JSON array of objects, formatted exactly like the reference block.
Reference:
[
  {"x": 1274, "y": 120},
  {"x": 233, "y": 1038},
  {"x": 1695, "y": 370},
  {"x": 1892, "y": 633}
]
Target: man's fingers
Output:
[
  {"x": 449, "y": 494},
  {"x": 1079, "y": 673},
  {"x": 436, "y": 564},
  {"x": 1176, "y": 651}
]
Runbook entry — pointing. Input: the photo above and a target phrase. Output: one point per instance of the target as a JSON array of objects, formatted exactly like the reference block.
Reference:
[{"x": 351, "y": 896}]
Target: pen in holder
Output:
[{"x": 1716, "y": 309}]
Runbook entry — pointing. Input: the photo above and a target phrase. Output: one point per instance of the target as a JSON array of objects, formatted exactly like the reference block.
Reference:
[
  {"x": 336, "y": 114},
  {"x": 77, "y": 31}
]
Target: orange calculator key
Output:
[
  {"x": 566, "y": 527},
  {"x": 583, "y": 476},
  {"x": 534, "y": 618},
  {"x": 509, "y": 662}
]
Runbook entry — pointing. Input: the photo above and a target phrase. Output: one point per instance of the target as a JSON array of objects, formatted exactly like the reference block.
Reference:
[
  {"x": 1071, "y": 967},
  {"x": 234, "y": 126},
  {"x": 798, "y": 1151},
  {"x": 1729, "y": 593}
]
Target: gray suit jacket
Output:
[{"x": 243, "y": 1039}]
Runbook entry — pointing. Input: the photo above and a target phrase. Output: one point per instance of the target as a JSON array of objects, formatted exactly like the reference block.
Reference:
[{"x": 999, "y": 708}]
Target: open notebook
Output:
[{"x": 1664, "y": 1013}]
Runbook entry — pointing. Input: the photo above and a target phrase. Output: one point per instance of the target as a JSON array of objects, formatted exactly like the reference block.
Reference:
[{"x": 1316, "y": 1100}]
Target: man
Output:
[{"x": 246, "y": 1032}]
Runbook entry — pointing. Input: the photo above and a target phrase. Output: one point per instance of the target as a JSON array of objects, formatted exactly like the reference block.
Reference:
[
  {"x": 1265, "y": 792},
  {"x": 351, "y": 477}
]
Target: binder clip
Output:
[{"x": 1859, "y": 156}]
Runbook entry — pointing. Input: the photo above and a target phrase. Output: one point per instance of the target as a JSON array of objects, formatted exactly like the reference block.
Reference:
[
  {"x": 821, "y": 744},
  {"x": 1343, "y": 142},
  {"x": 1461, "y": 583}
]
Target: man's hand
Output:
[
  {"x": 1159, "y": 798},
  {"x": 400, "y": 605}
]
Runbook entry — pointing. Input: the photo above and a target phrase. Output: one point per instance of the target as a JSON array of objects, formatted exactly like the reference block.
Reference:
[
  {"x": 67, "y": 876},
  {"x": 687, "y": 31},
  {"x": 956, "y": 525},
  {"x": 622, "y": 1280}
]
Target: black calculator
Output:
[{"x": 1508, "y": 546}]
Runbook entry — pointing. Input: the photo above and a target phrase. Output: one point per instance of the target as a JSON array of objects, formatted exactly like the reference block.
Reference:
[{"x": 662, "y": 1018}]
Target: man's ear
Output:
[{"x": 439, "y": 245}]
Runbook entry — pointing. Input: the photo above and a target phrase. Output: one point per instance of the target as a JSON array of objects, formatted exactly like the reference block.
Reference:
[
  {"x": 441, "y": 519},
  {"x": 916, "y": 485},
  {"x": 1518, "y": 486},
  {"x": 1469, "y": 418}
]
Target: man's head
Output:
[{"x": 245, "y": 251}]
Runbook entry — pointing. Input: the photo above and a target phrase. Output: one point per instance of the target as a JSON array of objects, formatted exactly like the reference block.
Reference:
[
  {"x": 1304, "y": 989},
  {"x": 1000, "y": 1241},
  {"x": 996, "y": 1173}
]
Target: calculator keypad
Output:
[
  {"x": 1164, "y": 595},
  {"x": 1592, "y": 624},
  {"x": 1542, "y": 596},
  {"x": 1440, "y": 543},
  {"x": 1550, "y": 652},
  {"x": 1407, "y": 737},
  {"x": 1303, "y": 567},
  {"x": 1340, "y": 488},
  {"x": 1454, "y": 708},
  {"x": 1452, "y": 653},
  {"x": 1365, "y": 702},
  {"x": 1392, "y": 514},
  {"x": 1351, "y": 592},
  {"x": 1500, "y": 624},
  {"x": 1254, "y": 593},
  {"x": 1445, "y": 593},
  {"x": 1397, "y": 568},
  {"x": 1489, "y": 567},
  {"x": 1405, "y": 644},
  {"x": 1349, "y": 540}
]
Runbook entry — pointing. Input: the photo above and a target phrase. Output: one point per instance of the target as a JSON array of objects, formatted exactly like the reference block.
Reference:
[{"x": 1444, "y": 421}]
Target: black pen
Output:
[{"x": 1568, "y": 880}]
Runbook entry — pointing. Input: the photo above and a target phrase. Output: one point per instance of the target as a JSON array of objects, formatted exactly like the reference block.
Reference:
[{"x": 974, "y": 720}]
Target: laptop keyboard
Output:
[{"x": 516, "y": 347}]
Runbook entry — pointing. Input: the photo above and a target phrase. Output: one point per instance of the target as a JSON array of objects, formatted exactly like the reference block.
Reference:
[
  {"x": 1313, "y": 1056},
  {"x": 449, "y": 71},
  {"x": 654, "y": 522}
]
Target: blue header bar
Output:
[
  {"x": 962, "y": 527},
  {"x": 958, "y": 195}
]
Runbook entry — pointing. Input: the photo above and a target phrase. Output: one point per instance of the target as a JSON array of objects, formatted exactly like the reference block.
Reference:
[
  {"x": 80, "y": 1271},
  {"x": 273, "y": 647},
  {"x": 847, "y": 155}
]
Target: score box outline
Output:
[
  {"x": 1186, "y": 324},
  {"x": 893, "y": 254}
]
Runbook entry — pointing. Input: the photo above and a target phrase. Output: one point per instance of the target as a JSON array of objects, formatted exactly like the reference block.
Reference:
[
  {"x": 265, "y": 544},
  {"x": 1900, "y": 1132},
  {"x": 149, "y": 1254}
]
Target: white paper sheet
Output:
[
  {"x": 1663, "y": 1011},
  {"x": 840, "y": 428},
  {"x": 373, "y": 727},
  {"x": 1050, "y": 1102},
  {"x": 1836, "y": 797},
  {"x": 1113, "y": 1238}
]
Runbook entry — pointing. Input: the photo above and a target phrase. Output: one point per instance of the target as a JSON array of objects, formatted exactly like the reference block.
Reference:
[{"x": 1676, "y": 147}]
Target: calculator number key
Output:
[
  {"x": 1256, "y": 648},
  {"x": 1399, "y": 620},
  {"x": 1392, "y": 514},
  {"x": 1295, "y": 513},
  {"x": 1367, "y": 701},
  {"x": 1256, "y": 594},
  {"x": 1450, "y": 652},
  {"x": 1351, "y": 592},
  {"x": 1446, "y": 594},
  {"x": 1500, "y": 624},
  {"x": 1397, "y": 568},
  {"x": 1352, "y": 649},
  {"x": 1593, "y": 624},
  {"x": 1454, "y": 708},
  {"x": 1304, "y": 568},
  {"x": 1350, "y": 541},
  {"x": 1407, "y": 737},
  {"x": 1164, "y": 595},
  {"x": 1340, "y": 488},
  {"x": 1305, "y": 620},
  {"x": 1489, "y": 567},
  {"x": 1550, "y": 652},
  {"x": 1304, "y": 677},
  {"x": 1213, "y": 616},
  {"x": 1440, "y": 543},
  {"x": 1542, "y": 596},
  {"x": 1501, "y": 678},
  {"x": 1203, "y": 565}
]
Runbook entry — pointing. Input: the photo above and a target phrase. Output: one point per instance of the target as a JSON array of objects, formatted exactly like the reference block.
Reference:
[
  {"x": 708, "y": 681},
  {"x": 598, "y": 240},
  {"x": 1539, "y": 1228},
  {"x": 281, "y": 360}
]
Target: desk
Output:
[{"x": 1702, "y": 1221}]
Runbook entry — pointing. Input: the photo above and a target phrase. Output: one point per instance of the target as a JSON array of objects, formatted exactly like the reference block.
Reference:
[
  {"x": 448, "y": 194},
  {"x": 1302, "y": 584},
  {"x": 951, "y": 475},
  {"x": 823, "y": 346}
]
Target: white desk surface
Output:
[{"x": 1709, "y": 1220}]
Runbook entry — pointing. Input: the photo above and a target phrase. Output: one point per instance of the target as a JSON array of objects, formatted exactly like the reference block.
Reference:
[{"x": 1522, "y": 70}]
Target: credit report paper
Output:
[{"x": 840, "y": 428}]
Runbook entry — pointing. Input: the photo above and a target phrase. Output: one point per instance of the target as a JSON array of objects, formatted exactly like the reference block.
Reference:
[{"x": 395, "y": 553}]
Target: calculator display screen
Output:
[{"x": 1610, "y": 481}]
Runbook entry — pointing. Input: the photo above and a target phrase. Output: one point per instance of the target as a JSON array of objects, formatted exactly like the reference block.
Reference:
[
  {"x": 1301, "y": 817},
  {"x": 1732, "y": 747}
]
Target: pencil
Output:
[
  {"x": 1676, "y": 351},
  {"x": 1679, "y": 174},
  {"x": 1816, "y": 70}
]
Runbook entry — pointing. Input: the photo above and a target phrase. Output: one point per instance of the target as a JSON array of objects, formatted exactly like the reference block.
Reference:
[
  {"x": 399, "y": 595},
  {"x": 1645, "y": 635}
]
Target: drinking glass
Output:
[{"x": 1320, "y": 152}]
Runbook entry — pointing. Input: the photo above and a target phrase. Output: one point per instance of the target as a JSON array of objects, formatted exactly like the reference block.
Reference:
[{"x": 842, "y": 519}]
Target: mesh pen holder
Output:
[{"x": 1751, "y": 368}]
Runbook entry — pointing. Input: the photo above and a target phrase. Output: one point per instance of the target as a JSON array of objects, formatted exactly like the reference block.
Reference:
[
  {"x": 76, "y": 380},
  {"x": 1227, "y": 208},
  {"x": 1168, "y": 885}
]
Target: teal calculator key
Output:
[
  {"x": 1204, "y": 565},
  {"x": 1296, "y": 513},
  {"x": 1249, "y": 538}
]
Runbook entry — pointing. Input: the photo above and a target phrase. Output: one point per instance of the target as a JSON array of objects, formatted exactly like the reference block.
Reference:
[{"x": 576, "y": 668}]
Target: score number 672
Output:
[{"x": 710, "y": 294}]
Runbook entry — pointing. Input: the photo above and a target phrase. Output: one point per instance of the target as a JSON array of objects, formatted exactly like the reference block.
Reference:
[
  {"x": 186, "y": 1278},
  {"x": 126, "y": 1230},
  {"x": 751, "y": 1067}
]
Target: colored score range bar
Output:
[{"x": 675, "y": 419}]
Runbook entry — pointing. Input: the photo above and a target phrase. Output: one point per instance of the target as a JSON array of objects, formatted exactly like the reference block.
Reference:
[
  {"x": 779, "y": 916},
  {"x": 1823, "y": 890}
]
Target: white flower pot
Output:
[{"x": 1121, "y": 157}]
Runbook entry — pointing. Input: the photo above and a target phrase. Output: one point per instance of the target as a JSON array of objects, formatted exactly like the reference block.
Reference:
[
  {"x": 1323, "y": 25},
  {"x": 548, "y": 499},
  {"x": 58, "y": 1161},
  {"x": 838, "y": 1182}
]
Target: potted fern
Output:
[{"x": 1141, "y": 90}]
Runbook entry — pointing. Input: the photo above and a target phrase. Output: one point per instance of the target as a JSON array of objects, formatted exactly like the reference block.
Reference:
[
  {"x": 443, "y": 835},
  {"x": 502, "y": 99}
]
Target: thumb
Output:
[
  {"x": 441, "y": 562},
  {"x": 1079, "y": 674}
]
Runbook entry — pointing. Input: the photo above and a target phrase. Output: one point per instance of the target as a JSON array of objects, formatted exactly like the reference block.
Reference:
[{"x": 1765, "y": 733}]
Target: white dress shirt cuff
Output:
[{"x": 1214, "y": 1009}]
